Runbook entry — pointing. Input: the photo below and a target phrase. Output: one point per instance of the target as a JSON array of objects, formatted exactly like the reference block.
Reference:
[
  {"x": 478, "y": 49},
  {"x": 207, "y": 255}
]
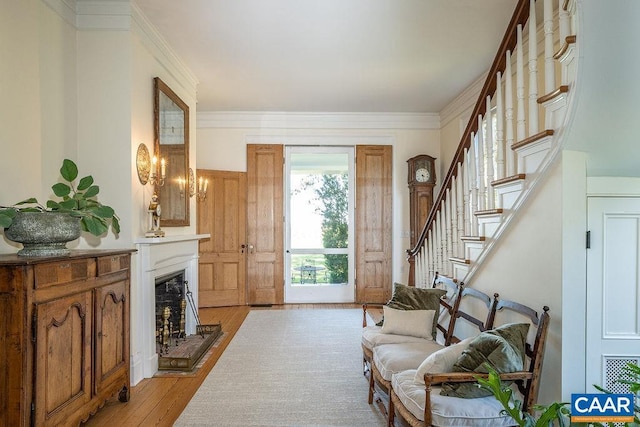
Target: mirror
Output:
[{"x": 171, "y": 122}]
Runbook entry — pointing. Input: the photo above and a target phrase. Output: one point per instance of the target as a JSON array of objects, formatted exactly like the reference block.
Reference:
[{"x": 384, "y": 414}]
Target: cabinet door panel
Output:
[
  {"x": 112, "y": 335},
  {"x": 63, "y": 357}
]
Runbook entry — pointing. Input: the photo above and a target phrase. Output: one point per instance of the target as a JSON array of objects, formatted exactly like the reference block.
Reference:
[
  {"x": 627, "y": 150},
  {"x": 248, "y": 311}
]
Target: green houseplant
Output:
[
  {"x": 548, "y": 415},
  {"x": 45, "y": 229},
  {"x": 557, "y": 413}
]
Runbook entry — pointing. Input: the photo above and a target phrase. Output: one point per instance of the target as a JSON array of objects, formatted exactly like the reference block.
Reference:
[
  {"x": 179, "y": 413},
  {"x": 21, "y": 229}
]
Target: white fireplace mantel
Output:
[{"x": 158, "y": 256}]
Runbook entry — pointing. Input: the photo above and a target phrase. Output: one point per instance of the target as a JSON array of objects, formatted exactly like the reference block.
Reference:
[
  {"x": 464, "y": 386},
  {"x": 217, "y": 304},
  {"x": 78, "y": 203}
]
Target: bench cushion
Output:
[
  {"x": 390, "y": 359},
  {"x": 448, "y": 411},
  {"x": 373, "y": 336}
]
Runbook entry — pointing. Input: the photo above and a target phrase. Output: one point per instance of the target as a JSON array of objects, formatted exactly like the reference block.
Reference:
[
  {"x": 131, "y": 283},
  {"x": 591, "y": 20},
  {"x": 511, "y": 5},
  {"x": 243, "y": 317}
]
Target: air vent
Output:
[{"x": 614, "y": 366}]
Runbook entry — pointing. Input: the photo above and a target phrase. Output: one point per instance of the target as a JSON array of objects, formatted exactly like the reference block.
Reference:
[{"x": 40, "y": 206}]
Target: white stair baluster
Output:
[
  {"x": 489, "y": 155},
  {"x": 533, "y": 70},
  {"x": 460, "y": 192},
  {"x": 448, "y": 210},
  {"x": 520, "y": 128},
  {"x": 549, "y": 62},
  {"x": 473, "y": 185},
  {"x": 454, "y": 216},
  {"x": 508, "y": 113},
  {"x": 443, "y": 238},
  {"x": 466, "y": 217},
  {"x": 482, "y": 190},
  {"x": 500, "y": 161}
]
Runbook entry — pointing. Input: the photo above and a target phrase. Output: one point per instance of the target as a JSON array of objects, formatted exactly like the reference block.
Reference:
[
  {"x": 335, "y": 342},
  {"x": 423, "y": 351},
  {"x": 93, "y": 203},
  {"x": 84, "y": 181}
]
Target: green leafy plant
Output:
[
  {"x": 77, "y": 200},
  {"x": 546, "y": 416}
]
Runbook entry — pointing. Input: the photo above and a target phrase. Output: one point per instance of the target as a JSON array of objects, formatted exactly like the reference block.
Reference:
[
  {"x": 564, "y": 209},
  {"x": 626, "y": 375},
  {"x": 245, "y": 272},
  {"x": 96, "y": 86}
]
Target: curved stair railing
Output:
[{"x": 511, "y": 138}]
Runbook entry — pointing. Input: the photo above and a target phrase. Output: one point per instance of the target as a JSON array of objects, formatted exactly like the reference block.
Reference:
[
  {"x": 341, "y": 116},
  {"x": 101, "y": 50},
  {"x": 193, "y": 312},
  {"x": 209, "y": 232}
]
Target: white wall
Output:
[
  {"x": 39, "y": 116},
  {"x": 222, "y": 146},
  {"x": 526, "y": 266}
]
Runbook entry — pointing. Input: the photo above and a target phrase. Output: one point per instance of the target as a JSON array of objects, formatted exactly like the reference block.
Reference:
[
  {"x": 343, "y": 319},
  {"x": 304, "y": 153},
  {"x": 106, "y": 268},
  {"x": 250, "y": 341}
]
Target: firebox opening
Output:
[{"x": 176, "y": 349}]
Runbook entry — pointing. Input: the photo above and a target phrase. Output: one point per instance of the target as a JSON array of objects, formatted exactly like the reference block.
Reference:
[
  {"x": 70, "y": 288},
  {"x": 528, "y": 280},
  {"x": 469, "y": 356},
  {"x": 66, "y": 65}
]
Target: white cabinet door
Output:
[{"x": 613, "y": 290}]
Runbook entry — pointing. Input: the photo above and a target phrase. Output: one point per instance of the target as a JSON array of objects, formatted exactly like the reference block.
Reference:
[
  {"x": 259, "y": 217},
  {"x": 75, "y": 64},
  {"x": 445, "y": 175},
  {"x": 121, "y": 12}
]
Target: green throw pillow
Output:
[
  {"x": 412, "y": 298},
  {"x": 503, "y": 348}
]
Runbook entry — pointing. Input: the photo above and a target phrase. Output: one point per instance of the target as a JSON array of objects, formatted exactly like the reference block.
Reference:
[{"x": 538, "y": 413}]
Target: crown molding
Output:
[
  {"x": 294, "y": 120},
  {"x": 66, "y": 9},
  {"x": 114, "y": 15},
  {"x": 321, "y": 140},
  {"x": 151, "y": 38},
  {"x": 466, "y": 100}
]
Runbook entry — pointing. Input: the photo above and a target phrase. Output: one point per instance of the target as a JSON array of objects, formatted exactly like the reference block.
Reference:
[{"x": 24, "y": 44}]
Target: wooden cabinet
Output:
[{"x": 64, "y": 336}]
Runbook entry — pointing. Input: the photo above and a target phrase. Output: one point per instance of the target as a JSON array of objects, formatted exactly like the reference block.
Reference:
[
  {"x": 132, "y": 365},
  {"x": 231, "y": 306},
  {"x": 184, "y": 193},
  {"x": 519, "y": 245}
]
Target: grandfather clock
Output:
[{"x": 422, "y": 179}]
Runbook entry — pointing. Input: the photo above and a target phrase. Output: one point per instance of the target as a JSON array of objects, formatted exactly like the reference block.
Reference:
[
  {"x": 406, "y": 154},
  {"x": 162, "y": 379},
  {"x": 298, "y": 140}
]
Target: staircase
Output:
[{"x": 514, "y": 134}]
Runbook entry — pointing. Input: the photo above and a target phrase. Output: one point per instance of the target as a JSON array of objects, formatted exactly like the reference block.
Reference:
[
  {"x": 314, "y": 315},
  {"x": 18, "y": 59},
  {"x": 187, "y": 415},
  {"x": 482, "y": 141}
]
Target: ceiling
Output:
[{"x": 409, "y": 56}]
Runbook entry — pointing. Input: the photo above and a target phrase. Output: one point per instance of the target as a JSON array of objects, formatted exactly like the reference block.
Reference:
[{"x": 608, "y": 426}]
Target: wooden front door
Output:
[
  {"x": 265, "y": 215},
  {"x": 222, "y": 266},
  {"x": 373, "y": 223}
]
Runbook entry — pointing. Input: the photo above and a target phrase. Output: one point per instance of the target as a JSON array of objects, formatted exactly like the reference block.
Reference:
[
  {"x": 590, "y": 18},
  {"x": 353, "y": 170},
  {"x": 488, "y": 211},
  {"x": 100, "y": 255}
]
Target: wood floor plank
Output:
[{"x": 159, "y": 401}]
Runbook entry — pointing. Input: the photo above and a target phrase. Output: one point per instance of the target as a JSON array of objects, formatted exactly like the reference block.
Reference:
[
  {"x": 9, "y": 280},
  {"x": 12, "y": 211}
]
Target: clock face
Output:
[{"x": 422, "y": 175}]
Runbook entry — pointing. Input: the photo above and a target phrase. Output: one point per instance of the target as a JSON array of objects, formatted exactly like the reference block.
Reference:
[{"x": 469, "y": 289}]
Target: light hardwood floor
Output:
[{"x": 160, "y": 401}]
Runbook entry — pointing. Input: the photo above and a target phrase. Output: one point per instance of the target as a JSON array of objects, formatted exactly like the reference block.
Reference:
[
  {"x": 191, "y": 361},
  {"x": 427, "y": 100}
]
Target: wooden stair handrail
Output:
[{"x": 520, "y": 16}]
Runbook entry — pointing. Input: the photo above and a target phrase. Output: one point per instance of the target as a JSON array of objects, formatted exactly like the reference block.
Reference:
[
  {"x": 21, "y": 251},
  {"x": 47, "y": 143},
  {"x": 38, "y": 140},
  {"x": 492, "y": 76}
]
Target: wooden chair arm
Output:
[
  {"x": 364, "y": 312},
  {"x": 463, "y": 377}
]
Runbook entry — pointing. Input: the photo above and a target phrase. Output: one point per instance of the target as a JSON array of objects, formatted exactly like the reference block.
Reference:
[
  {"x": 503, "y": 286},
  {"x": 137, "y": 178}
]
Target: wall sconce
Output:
[
  {"x": 203, "y": 184},
  {"x": 154, "y": 179},
  {"x": 202, "y": 189},
  {"x": 148, "y": 168},
  {"x": 182, "y": 183}
]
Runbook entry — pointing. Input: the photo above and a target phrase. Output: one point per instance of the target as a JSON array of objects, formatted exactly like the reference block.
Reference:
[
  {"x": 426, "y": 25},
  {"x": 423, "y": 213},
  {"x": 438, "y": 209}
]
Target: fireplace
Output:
[
  {"x": 159, "y": 257},
  {"x": 171, "y": 310},
  {"x": 177, "y": 350}
]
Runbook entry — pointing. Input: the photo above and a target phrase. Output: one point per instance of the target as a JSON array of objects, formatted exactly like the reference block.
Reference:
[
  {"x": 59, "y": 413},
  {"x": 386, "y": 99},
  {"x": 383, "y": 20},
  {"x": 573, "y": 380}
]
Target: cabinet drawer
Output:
[
  {"x": 113, "y": 264},
  {"x": 57, "y": 273}
]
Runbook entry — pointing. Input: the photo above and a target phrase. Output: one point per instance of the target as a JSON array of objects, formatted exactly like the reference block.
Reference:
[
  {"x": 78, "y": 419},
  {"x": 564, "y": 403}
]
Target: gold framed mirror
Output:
[{"x": 171, "y": 123}]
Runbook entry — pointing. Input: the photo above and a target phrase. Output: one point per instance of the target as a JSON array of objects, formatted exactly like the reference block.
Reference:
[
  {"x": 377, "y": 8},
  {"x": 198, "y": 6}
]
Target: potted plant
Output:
[{"x": 45, "y": 230}]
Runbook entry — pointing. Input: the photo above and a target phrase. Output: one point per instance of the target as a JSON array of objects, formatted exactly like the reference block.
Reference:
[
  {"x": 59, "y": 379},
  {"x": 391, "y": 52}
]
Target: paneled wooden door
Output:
[
  {"x": 265, "y": 215},
  {"x": 222, "y": 265},
  {"x": 374, "y": 206}
]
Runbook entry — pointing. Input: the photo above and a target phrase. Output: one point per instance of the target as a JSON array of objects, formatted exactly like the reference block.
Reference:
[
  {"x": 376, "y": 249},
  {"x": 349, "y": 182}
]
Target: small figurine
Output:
[{"x": 154, "y": 212}]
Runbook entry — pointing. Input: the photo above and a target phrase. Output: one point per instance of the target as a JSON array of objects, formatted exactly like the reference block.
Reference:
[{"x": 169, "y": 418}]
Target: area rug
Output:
[{"x": 288, "y": 368}]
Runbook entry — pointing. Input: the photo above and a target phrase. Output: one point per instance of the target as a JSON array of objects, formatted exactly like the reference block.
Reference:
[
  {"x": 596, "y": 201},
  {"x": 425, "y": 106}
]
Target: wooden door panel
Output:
[
  {"x": 112, "y": 334},
  {"x": 63, "y": 357},
  {"x": 222, "y": 264},
  {"x": 265, "y": 213},
  {"x": 373, "y": 223}
]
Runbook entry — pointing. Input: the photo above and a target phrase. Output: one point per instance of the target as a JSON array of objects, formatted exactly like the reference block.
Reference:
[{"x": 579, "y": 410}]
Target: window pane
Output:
[
  {"x": 319, "y": 269},
  {"x": 319, "y": 201}
]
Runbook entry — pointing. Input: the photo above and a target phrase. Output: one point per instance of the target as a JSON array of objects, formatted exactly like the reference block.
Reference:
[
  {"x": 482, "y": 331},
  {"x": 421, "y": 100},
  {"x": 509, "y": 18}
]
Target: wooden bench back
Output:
[
  {"x": 447, "y": 302},
  {"x": 455, "y": 312},
  {"x": 534, "y": 350}
]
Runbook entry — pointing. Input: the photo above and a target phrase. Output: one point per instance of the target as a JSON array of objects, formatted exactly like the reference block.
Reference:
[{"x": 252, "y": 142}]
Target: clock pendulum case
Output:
[{"x": 421, "y": 180}]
